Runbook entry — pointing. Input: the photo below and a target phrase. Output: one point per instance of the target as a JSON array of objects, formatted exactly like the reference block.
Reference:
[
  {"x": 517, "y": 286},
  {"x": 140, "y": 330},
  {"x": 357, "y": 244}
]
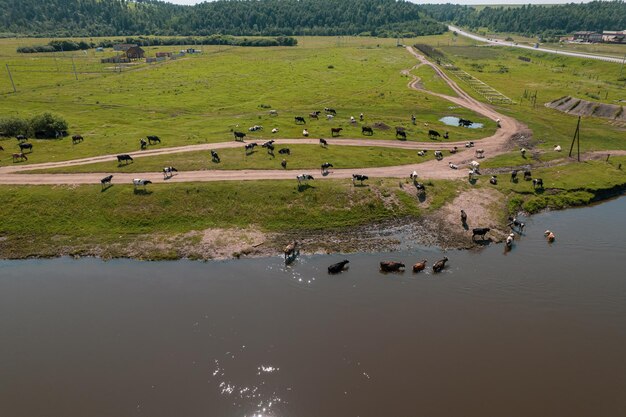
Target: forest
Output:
[
  {"x": 66, "y": 18},
  {"x": 545, "y": 21}
]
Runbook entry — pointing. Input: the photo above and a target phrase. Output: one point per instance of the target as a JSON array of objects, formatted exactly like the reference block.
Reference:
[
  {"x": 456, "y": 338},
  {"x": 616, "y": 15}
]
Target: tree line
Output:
[
  {"x": 536, "y": 20},
  {"x": 73, "y": 18}
]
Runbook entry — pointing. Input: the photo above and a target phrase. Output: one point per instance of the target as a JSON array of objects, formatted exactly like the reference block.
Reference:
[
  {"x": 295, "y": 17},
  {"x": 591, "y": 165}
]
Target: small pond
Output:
[{"x": 454, "y": 121}]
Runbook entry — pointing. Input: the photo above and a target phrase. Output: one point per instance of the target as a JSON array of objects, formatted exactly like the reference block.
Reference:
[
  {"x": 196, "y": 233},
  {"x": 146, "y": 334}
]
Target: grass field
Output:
[
  {"x": 202, "y": 98},
  {"x": 301, "y": 157}
]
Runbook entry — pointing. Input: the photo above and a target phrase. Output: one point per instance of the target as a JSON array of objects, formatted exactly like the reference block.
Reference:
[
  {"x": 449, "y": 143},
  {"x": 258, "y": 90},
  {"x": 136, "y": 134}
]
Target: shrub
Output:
[
  {"x": 13, "y": 126},
  {"x": 47, "y": 125}
]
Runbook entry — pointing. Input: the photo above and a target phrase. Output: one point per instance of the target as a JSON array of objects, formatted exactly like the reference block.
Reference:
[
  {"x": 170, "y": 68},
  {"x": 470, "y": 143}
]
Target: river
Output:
[{"x": 537, "y": 331}]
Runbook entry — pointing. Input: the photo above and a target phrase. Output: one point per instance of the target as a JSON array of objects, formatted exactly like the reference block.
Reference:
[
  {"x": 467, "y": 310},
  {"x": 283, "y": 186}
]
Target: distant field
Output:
[{"x": 202, "y": 98}]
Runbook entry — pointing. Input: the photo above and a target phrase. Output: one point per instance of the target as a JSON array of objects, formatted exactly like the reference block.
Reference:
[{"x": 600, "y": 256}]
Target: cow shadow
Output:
[
  {"x": 304, "y": 187},
  {"x": 106, "y": 187},
  {"x": 483, "y": 242},
  {"x": 140, "y": 191},
  {"x": 421, "y": 197},
  {"x": 361, "y": 185},
  {"x": 325, "y": 173}
]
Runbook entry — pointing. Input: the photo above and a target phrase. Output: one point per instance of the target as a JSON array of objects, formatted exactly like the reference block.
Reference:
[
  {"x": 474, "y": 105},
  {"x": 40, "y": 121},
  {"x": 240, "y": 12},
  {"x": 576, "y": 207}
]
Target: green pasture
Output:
[
  {"x": 202, "y": 98},
  {"x": 301, "y": 157},
  {"x": 84, "y": 217},
  {"x": 432, "y": 81}
]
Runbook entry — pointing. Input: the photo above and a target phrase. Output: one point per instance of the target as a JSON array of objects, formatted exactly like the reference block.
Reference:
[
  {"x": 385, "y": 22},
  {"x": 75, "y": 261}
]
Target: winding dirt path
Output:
[{"x": 493, "y": 145}]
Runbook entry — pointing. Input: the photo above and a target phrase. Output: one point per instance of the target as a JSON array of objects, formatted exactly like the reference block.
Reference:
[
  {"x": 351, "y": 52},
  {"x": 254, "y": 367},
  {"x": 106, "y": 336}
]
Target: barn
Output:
[{"x": 135, "y": 52}]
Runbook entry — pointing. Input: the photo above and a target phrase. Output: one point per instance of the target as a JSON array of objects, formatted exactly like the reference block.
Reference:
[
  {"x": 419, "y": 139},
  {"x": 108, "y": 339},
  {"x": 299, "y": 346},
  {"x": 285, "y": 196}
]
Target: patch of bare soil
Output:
[
  {"x": 484, "y": 208},
  {"x": 381, "y": 126},
  {"x": 580, "y": 107}
]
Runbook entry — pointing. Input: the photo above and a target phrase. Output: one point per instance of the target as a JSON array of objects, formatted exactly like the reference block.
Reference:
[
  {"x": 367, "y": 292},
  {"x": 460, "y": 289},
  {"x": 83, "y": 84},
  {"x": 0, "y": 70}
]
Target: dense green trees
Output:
[
  {"x": 536, "y": 19},
  {"x": 230, "y": 17}
]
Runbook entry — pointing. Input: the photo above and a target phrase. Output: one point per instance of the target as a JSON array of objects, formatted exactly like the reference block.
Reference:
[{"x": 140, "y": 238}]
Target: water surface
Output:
[
  {"x": 454, "y": 121},
  {"x": 538, "y": 331}
]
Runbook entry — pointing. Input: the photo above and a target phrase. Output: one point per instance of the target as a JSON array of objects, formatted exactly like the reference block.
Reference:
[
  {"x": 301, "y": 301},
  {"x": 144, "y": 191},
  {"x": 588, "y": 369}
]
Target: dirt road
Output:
[{"x": 433, "y": 169}]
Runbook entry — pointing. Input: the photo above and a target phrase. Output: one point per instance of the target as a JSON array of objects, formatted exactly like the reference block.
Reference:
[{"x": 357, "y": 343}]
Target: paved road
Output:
[{"x": 551, "y": 51}]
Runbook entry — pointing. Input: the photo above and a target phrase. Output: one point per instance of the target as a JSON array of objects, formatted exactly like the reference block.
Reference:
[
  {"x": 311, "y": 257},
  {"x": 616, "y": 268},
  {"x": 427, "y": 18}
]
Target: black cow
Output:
[
  {"x": 250, "y": 146},
  {"x": 124, "y": 158},
  {"x": 28, "y": 146},
  {"x": 400, "y": 133},
  {"x": 268, "y": 143},
  {"x": 21, "y": 137},
  {"x": 514, "y": 175},
  {"x": 284, "y": 151},
  {"x": 300, "y": 119},
  {"x": 537, "y": 183},
  {"x": 154, "y": 139},
  {"x": 325, "y": 166},
  {"x": 367, "y": 129},
  {"x": 527, "y": 175},
  {"x": 433, "y": 134},
  {"x": 106, "y": 180},
  {"x": 330, "y": 111},
  {"x": 214, "y": 156},
  {"x": 480, "y": 231},
  {"x": 239, "y": 135},
  {"x": 338, "y": 267},
  {"x": 323, "y": 142},
  {"x": 465, "y": 122},
  {"x": 76, "y": 139}
]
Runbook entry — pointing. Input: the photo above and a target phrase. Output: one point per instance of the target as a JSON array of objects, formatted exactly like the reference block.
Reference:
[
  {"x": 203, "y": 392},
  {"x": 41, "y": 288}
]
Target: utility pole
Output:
[
  {"x": 11, "y": 78},
  {"x": 622, "y": 68},
  {"x": 576, "y": 139},
  {"x": 74, "y": 66}
]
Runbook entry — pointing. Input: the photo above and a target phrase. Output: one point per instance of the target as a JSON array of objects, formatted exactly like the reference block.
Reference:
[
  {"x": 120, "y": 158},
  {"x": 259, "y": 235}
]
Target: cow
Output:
[
  {"x": 514, "y": 175},
  {"x": 250, "y": 147},
  {"x": 391, "y": 266},
  {"x": 323, "y": 143},
  {"x": 359, "y": 177},
  {"x": 537, "y": 183},
  {"x": 331, "y": 111},
  {"x": 527, "y": 175},
  {"x": 433, "y": 134},
  {"x": 124, "y": 158},
  {"x": 106, "y": 180},
  {"x": 284, "y": 151},
  {"x": 439, "y": 155},
  {"x": 440, "y": 264},
  {"x": 336, "y": 130},
  {"x": 325, "y": 167},
  {"x": 76, "y": 139},
  {"x": 314, "y": 114},
  {"x": 368, "y": 130},
  {"x": 154, "y": 139},
  {"x": 299, "y": 120},
  {"x": 338, "y": 267},
  {"x": 239, "y": 135},
  {"x": 480, "y": 231},
  {"x": 214, "y": 156},
  {"x": 28, "y": 146}
]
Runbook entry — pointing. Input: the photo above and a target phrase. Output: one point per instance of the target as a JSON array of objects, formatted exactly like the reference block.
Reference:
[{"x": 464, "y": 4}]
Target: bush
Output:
[
  {"x": 47, "y": 125},
  {"x": 13, "y": 126}
]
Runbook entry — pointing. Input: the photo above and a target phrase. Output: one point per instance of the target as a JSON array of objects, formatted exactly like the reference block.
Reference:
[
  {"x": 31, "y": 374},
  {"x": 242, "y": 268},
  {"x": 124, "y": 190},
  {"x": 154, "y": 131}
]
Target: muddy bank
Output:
[{"x": 580, "y": 107}]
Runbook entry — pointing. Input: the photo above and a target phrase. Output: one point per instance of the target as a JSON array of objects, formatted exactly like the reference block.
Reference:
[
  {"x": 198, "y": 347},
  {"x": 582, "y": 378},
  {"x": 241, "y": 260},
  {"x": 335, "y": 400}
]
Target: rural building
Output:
[
  {"x": 587, "y": 36},
  {"x": 123, "y": 46},
  {"x": 115, "y": 60},
  {"x": 135, "y": 53},
  {"x": 612, "y": 36}
]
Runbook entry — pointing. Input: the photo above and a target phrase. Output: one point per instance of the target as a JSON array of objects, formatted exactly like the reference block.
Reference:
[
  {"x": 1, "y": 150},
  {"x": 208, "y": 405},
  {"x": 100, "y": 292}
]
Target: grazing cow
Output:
[
  {"x": 314, "y": 114},
  {"x": 153, "y": 139},
  {"x": 463, "y": 217},
  {"x": 284, "y": 151},
  {"x": 338, "y": 267},
  {"x": 76, "y": 139},
  {"x": 480, "y": 153},
  {"x": 352, "y": 120},
  {"x": 268, "y": 143},
  {"x": 273, "y": 112},
  {"x": 475, "y": 165},
  {"x": 440, "y": 264},
  {"x": 270, "y": 149},
  {"x": 21, "y": 156},
  {"x": 250, "y": 147},
  {"x": 480, "y": 231},
  {"x": 454, "y": 150},
  {"x": 239, "y": 135},
  {"x": 523, "y": 152},
  {"x": 557, "y": 148},
  {"x": 305, "y": 133},
  {"x": 139, "y": 182},
  {"x": 514, "y": 175},
  {"x": 359, "y": 177},
  {"x": 168, "y": 172},
  {"x": 329, "y": 110},
  {"x": 421, "y": 153},
  {"x": 336, "y": 130},
  {"x": 325, "y": 167},
  {"x": 21, "y": 137},
  {"x": 299, "y": 120},
  {"x": 106, "y": 180},
  {"x": 433, "y": 134},
  {"x": 124, "y": 158},
  {"x": 438, "y": 155},
  {"x": 549, "y": 235},
  {"x": 420, "y": 187},
  {"x": 283, "y": 163},
  {"x": 400, "y": 134},
  {"x": 255, "y": 128},
  {"x": 391, "y": 266},
  {"x": 419, "y": 266},
  {"x": 527, "y": 175},
  {"x": 493, "y": 180},
  {"x": 413, "y": 119},
  {"x": 329, "y": 117},
  {"x": 142, "y": 143},
  {"x": 361, "y": 117},
  {"x": 513, "y": 222},
  {"x": 24, "y": 146},
  {"x": 471, "y": 174},
  {"x": 214, "y": 156},
  {"x": 291, "y": 251},
  {"x": 445, "y": 135},
  {"x": 323, "y": 143},
  {"x": 537, "y": 183},
  {"x": 465, "y": 123},
  {"x": 469, "y": 144},
  {"x": 498, "y": 123},
  {"x": 303, "y": 178},
  {"x": 453, "y": 166},
  {"x": 368, "y": 130},
  {"x": 275, "y": 130},
  {"x": 413, "y": 176}
]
